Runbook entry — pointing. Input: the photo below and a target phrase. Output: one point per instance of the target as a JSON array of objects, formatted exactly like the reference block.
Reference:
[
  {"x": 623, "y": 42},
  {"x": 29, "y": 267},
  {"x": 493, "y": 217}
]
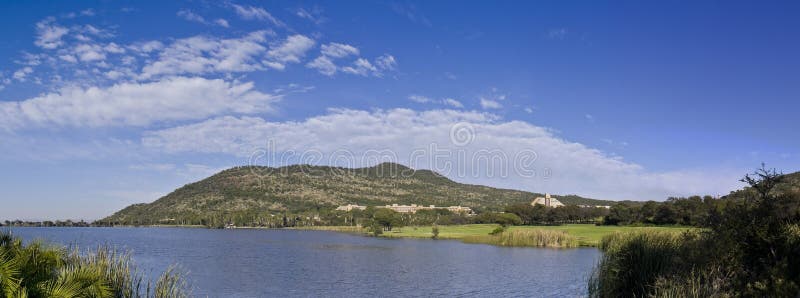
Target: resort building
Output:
[
  {"x": 413, "y": 208},
  {"x": 350, "y": 207},
  {"x": 547, "y": 201}
]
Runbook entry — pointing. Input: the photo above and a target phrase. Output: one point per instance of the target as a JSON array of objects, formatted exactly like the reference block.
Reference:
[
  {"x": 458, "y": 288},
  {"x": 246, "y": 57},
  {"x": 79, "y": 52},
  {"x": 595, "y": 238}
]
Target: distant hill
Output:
[
  {"x": 301, "y": 188},
  {"x": 789, "y": 183}
]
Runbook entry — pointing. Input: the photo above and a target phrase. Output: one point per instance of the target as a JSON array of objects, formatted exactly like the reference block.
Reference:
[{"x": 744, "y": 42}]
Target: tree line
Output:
[{"x": 687, "y": 211}]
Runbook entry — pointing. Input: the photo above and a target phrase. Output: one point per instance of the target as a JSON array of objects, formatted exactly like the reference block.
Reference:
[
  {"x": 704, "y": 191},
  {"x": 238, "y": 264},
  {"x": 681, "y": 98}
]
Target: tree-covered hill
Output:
[{"x": 251, "y": 191}]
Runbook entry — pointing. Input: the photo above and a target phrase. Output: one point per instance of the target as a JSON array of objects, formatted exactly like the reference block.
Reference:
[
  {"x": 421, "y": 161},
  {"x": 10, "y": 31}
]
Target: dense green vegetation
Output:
[
  {"x": 541, "y": 215},
  {"x": 751, "y": 248},
  {"x": 304, "y": 195},
  {"x": 40, "y": 270}
]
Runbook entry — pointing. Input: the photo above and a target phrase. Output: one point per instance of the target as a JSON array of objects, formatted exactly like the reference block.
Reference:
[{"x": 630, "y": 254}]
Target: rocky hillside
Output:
[{"x": 297, "y": 189}]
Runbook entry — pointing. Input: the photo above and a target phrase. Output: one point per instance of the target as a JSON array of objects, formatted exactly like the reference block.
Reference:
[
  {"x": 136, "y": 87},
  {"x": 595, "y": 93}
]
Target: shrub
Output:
[{"x": 42, "y": 270}]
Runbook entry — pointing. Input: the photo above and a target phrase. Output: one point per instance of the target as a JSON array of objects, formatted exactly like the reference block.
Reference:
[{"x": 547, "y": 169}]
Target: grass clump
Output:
[
  {"x": 42, "y": 270},
  {"x": 529, "y": 238},
  {"x": 633, "y": 261}
]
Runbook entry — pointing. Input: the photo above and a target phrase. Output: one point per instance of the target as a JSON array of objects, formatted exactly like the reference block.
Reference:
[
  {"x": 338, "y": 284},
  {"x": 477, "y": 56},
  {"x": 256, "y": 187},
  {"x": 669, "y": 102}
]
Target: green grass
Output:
[{"x": 586, "y": 234}]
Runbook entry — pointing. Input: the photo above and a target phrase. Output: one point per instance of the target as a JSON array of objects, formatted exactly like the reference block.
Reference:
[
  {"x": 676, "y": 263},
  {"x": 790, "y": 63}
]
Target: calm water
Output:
[{"x": 268, "y": 263}]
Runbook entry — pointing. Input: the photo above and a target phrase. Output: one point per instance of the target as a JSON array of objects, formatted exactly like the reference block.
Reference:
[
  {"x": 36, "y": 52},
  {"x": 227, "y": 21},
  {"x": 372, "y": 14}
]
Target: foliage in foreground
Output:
[
  {"x": 531, "y": 238},
  {"x": 40, "y": 270},
  {"x": 750, "y": 249}
]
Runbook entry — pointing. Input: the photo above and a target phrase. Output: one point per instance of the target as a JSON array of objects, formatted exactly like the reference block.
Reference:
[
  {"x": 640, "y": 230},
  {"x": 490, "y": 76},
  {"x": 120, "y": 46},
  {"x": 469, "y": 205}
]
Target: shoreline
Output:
[{"x": 562, "y": 236}]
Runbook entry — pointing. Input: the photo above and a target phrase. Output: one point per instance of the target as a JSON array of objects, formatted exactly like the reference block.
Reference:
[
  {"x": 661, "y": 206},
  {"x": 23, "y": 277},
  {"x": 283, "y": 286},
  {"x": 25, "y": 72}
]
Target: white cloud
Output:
[
  {"x": 22, "y": 73},
  {"x": 90, "y": 52},
  {"x": 314, "y": 15},
  {"x": 147, "y": 47},
  {"x": 323, "y": 65},
  {"x": 200, "y": 54},
  {"x": 339, "y": 50},
  {"x": 222, "y": 22},
  {"x": 191, "y": 16},
  {"x": 49, "y": 34},
  {"x": 452, "y": 102},
  {"x": 290, "y": 51},
  {"x": 558, "y": 166},
  {"x": 361, "y": 67},
  {"x": 445, "y": 101},
  {"x": 528, "y": 110},
  {"x": 419, "y": 98},
  {"x": 589, "y": 117},
  {"x": 136, "y": 104},
  {"x": 255, "y": 13},
  {"x": 490, "y": 104},
  {"x": 386, "y": 62}
]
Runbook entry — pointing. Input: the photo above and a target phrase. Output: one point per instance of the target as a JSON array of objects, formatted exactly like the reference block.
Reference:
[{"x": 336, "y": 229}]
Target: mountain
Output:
[{"x": 302, "y": 188}]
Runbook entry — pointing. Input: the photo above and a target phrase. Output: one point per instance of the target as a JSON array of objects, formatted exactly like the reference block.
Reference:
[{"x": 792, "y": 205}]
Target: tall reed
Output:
[
  {"x": 633, "y": 262},
  {"x": 530, "y": 238}
]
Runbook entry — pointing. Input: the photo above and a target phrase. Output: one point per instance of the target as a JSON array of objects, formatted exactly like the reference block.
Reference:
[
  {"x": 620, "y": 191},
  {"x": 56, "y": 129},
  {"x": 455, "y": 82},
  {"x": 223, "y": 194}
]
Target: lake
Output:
[{"x": 269, "y": 263}]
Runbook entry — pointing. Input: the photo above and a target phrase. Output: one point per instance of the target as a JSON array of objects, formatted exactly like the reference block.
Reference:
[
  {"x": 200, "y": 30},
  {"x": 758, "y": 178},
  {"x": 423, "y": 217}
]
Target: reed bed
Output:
[
  {"x": 527, "y": 238},
  {"x": 634, "y": 261}
]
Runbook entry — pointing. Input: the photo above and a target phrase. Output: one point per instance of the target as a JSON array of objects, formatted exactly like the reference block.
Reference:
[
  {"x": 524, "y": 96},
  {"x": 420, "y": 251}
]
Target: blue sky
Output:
[{"x": 104, "y": 104}]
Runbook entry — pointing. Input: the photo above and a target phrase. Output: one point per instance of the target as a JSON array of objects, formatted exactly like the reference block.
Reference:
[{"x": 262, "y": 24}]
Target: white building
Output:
[
  {"x": 413, "y": 208},
  {"x": 350, "y": 207},
  {"x": 547, "y": 201}
]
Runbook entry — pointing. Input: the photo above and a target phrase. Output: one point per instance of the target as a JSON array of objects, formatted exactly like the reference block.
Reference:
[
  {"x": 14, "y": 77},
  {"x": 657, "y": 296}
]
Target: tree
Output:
[
  {"x": 619, "y": 214},
  {"x": 665, "y": 215},
  {"x": 387, "y": 218}
]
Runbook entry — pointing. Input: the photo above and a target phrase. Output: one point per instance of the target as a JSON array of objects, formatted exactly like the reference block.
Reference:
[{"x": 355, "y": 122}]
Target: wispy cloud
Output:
[
  {"x": 419, "y": 98},
  {"x": 410, "y": 12},
  {"x": 444, "y": 101},
  {"x": 256, "y": 13},
  {"x": 339, "y": 50},
  {"x": 290, "y": 51},
  {"x": 490, "y": 104},
  {"x": 314, "y": 14},
  {"x": 329, "y": 53},
  {"x": 193, "y": 17},
  {"x": 452, "y": 102}
]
